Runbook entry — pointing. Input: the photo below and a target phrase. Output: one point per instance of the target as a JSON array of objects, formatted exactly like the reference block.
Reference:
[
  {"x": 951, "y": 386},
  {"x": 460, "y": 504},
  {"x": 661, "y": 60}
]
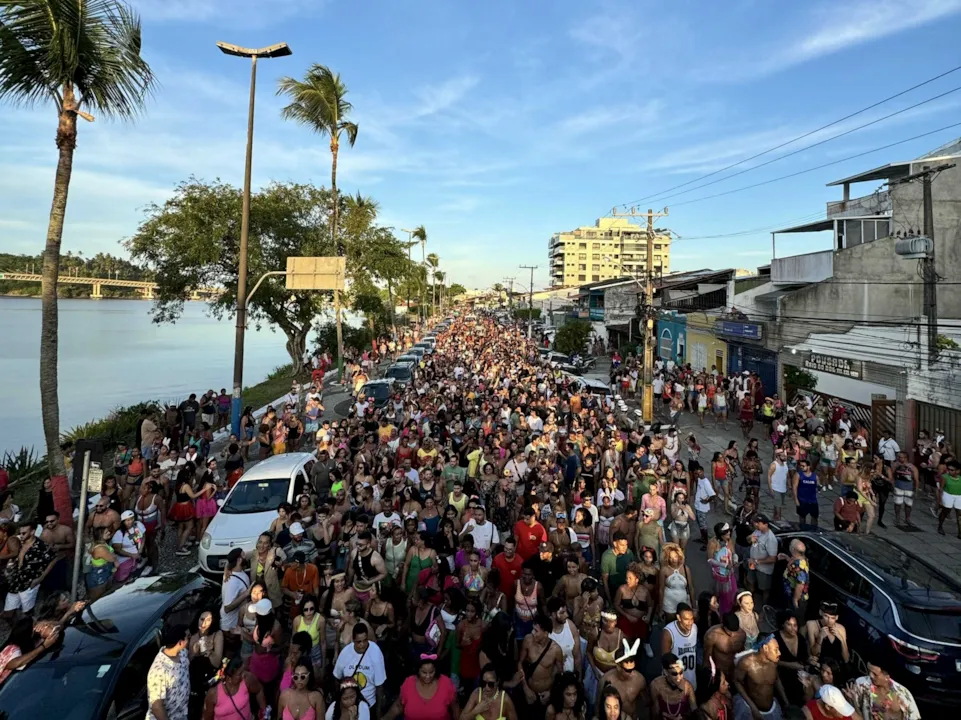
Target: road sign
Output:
[
  {"x": 94, "y": 478},
  {"x": 316, "y": 273}
]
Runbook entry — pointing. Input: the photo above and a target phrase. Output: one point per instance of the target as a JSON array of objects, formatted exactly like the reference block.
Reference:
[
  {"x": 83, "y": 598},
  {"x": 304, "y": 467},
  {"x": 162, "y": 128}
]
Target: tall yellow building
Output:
[{"x": 612, "y": 248}]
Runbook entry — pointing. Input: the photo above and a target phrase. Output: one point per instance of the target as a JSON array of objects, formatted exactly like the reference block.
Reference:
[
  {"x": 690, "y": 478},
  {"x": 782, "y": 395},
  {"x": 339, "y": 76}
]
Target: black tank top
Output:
[{"x": 364, "y": 567}]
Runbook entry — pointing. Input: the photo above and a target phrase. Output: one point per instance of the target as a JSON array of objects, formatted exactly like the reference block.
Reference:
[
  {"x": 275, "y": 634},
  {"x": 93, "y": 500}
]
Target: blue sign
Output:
[{"x": 748, "y": 331}]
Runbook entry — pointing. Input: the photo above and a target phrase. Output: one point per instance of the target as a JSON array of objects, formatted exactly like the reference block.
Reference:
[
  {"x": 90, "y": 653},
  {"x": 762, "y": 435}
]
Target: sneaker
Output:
[
  {"x": 830, "y": 487},
  {"x": 648, "y": 650},
  {"x": 147, "y": 571}
]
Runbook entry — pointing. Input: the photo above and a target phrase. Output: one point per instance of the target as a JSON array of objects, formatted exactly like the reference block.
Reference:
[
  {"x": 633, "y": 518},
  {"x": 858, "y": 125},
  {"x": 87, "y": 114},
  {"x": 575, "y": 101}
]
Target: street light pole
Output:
[{"x": 279, "y": 50}]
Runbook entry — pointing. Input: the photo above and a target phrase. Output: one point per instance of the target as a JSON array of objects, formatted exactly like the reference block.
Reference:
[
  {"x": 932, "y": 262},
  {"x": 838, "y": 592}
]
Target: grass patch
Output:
[{"x": 276, "y": 385}]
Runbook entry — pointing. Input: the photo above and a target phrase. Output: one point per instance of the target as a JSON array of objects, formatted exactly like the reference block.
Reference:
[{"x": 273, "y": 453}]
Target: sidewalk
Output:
[{"x": 923, "y": 541}]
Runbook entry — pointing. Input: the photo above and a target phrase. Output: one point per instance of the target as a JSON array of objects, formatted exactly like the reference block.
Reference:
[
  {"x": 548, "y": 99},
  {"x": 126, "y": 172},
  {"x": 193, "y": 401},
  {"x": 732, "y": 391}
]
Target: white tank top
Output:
[
  {"x": 685, "y": 647},
  {"x": 565, "y": 639},
  {"x": 779, "y": 478}
]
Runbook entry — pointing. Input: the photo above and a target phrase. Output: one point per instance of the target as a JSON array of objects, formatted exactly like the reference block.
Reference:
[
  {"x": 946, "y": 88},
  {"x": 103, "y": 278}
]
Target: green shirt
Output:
[
  {"x": 450, "y": 474},
  {"x": 615, "y": 567},
  {"x": 952, "y": 485}
]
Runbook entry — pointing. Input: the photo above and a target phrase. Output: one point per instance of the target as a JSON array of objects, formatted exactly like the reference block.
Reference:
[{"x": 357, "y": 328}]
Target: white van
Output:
[{"x": 250, "y": 507}]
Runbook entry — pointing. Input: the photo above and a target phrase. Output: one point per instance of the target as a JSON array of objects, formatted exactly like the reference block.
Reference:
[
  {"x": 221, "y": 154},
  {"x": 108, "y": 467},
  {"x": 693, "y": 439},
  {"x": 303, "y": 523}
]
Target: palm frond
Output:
[
  {"x": 319, "y": 102},
  {"x": 91, "y": 46},
  {"x": 419, "y": 234},
  {"x": 351, "y": 129}
]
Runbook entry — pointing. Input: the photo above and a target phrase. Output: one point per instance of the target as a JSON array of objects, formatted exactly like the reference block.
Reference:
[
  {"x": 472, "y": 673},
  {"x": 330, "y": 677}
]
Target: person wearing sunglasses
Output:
[
  {"x": 312, "y": 622},
  {"x": 672, "y": 695},
  {"x": 301, "y": 701}
]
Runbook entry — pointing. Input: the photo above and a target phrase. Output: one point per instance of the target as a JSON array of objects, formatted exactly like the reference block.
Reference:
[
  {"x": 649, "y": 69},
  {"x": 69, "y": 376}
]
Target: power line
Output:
[
  {"x": 812, "y": 145},
  {"x": 794, "y": 140},
  {"x": 817, "y": 167}
]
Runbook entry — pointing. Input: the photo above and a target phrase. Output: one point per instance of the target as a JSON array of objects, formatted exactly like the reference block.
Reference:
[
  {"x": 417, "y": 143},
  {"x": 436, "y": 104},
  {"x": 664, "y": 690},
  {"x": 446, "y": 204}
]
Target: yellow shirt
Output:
[
  {"x": 473, "y": 460},
  {"x": 423, "y": 455},
  {"x": 384, "y": 433}
]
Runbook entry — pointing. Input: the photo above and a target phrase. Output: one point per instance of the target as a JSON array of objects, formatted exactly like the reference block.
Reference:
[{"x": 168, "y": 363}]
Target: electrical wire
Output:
[
  {"x": 817, "y": 167},
  {"x": 812, "y": 145},
  {"x": 799, "y": 137}
]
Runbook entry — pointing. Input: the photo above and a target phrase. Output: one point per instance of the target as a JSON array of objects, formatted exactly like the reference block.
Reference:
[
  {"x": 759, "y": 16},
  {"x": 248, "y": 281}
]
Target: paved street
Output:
[{"x": 924, "y": 541}]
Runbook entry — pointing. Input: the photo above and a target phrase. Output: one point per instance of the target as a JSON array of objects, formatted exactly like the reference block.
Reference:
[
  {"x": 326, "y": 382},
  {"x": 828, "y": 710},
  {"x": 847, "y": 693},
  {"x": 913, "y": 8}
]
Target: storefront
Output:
[
  {"x": 672, "y": 337},
  {"x": 704, "y": 348},
  {"x": 745, "y": 352}
]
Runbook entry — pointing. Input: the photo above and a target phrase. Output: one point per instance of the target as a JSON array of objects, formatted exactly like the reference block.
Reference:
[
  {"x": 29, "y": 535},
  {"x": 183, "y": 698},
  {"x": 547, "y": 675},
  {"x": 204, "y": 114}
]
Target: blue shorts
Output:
[{"x": 829, "y": 463}]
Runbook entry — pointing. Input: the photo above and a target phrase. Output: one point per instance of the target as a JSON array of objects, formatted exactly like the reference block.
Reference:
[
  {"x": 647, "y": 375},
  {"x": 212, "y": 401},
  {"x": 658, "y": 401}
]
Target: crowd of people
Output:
[{"x": 489, "y": 544}]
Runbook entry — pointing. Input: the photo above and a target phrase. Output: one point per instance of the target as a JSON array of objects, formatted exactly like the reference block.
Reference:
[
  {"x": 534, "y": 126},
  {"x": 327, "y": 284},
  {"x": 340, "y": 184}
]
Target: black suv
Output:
[{"x": 900, "y": 611}]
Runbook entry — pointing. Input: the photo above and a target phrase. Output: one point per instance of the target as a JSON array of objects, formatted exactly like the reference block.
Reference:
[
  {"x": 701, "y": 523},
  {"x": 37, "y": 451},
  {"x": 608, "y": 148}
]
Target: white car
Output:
[{"x": 250, "y": 507}]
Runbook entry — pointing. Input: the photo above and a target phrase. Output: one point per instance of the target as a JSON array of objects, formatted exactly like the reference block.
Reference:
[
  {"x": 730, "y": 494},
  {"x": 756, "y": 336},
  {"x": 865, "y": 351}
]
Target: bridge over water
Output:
[{"x": 146, "y": 288}]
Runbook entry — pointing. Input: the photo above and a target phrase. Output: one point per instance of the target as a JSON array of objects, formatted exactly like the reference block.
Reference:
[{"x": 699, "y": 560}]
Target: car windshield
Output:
[
  {"x": 62, "y": 690},
  {"x": 398, "y": 372},
  {"x": 255, "y": 496},
  {"x": 935, "y": 625},
  {"x": 378, "y": 392}
]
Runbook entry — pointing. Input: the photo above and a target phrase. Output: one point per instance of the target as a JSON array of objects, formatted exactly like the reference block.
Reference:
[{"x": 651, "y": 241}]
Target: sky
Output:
[{"x": 497, "y": 124}]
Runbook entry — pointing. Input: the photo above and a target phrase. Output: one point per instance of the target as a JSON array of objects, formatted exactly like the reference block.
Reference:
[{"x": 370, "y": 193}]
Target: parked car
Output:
[
  {"x": 378, "y": 391},
  {"x": 251, "y": 505},
  {"x": 417, "y": 352},
  {"x": 409, "y": 358},
  {"x": 98, "y": 669},
  {"x": 427, "y": 347},
  {"x": 402, "y": 373},
  {"x": 589, "y": 386},
  {"x": 900, "y": 611}
]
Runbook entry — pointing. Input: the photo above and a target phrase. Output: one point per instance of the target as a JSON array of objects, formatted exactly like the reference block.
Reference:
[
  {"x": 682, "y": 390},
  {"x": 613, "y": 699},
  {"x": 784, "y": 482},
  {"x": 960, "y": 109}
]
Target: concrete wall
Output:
[
  {"x": 620, "y": 303},
  {"x": 807, "y": 268},
  {"x": 703, "y": 347}
]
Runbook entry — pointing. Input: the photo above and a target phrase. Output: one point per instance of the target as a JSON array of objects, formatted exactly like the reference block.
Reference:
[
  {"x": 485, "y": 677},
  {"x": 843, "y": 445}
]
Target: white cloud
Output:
[
  {"x": 435, "y": 99},
  {"x": 833, "y": 27}
]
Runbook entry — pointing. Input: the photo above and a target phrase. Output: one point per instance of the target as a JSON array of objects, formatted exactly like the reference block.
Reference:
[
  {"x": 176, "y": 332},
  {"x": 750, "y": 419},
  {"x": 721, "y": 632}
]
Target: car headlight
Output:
[{"x": 205, "y": 541}]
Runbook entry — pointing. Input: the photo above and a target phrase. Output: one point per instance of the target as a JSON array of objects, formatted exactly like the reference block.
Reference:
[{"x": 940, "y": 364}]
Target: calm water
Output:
[{"x": 111, "y": 354}]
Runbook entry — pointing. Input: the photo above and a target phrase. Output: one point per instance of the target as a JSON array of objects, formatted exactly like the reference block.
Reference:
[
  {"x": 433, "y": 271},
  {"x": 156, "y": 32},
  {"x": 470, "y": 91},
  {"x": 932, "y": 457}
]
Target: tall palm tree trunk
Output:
[
  {"x": 423, "y": 289},
  {"x": 390, "y": 301},
  {"x": 334, "y": 146},
  {"x": 49, "y": 318}
]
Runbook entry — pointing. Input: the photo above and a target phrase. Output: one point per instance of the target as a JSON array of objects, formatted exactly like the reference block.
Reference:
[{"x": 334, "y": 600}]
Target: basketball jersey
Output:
[{"x": 685, "y": 647}]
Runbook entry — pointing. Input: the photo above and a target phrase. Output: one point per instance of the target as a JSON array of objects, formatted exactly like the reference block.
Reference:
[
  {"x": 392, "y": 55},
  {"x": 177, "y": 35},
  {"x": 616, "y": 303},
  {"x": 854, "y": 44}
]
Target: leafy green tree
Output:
[
  {"x": 456, "y": 289},
  {"x": 193, "y": 240},
  {"x": 572, "y": 337},
  {"x": 80, "y": 57}
]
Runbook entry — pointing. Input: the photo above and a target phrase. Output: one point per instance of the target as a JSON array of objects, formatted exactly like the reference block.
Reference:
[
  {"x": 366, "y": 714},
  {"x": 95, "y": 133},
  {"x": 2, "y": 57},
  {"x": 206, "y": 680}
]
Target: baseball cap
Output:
[
  {"x": 762, "y": 519},
  {"x": 834, "y": 699},
  {"x": 261, "y": 607},
  {"x": 127, "y": 515},
  {"x": 296, "y": 529}
]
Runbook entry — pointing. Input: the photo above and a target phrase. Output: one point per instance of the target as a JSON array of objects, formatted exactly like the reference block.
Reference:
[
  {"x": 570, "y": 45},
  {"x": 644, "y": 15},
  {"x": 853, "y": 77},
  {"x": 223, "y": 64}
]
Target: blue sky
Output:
[{"x": 495, "y": 124}]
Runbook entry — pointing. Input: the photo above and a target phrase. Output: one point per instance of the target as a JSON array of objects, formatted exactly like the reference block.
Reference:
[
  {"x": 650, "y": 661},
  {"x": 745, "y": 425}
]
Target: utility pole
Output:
[
  {"x": 647, "y": 397},
  {"x": 923, "y": 248},
  {"x": 530, "y": 300}
]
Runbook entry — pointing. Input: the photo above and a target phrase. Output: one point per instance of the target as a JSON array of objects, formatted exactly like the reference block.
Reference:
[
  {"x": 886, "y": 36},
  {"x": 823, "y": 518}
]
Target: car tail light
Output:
[{"x": 913, "y": 652}]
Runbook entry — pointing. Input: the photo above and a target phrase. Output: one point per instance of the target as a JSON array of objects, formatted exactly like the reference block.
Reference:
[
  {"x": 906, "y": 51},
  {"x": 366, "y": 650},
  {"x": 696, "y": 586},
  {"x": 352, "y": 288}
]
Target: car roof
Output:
[
  {"x": 380, "y": 381},
  {"x": 276, "y": 466},
  {"x": 401, "y": 364},
  {"x": 908, "y": 577},
  {"x": 107, "y": 626},
  {"x": 407, "y": 358}
]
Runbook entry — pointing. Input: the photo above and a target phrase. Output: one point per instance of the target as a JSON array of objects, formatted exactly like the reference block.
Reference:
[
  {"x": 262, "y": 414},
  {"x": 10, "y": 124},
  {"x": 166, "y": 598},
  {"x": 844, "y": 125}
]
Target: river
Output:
[{"x": 111, "y": 354}]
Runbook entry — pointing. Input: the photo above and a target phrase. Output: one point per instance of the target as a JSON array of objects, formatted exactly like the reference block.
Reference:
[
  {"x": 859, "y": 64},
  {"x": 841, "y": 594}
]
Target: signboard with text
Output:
[
  {"x": 748, "y": 331},
  {"x": 835, "y": 365}
]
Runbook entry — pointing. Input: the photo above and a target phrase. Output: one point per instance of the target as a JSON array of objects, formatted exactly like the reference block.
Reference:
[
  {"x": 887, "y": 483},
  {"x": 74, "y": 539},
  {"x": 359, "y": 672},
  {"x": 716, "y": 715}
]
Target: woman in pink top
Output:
[
  {"x": 428, "y": 695},
  {"x": 230, "y": 698},
  {"x": 301, "y": 702}
]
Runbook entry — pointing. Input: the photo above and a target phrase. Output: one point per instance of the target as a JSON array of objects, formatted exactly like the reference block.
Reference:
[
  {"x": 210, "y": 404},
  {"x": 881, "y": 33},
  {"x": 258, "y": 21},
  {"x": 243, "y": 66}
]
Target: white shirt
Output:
[
  {"x": 370, "y": 665},
  {"x": 485, "y": 536},
  {"x": 845, "y": 425},
  {"x": 236, "y": 585},
  {"x": 125, "y": 538},
  {"x": 592, "y": 511},
  {"x": 658, "y": 385},
  {"x": 170, "y": 467},
  {"x": 381, "y": 519},
  {"x": 615, "y": 495},
  {"x": 705, "y": 491},
  {"x": 889, "y": 449}
]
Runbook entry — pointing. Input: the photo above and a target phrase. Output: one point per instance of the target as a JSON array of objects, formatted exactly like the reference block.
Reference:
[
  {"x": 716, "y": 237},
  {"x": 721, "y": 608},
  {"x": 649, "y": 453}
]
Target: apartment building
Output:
[{"x": 611, "y": 248}]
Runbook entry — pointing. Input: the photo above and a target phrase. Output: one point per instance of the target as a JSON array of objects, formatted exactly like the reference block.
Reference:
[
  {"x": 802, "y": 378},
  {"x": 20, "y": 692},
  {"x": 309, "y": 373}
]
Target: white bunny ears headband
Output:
[{"x": 628, "y": 651}]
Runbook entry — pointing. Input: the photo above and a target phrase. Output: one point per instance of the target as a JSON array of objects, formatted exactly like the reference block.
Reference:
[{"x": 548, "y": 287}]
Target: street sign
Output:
[
  {"x": 94, "y": 478},
  {"x": 316, "y": 273}
]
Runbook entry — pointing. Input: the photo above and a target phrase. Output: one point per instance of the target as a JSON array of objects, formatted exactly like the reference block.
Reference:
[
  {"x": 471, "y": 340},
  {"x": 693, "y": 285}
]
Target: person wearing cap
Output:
[
  {"x": 562, "y": 537},
  {"x": 300, "y": 578},
  {"x": 547, "y": 567},
  {"x": 128, "y": 545},
  {"x": 828, "y": 704},
  {"x": 299, "y": 542}
]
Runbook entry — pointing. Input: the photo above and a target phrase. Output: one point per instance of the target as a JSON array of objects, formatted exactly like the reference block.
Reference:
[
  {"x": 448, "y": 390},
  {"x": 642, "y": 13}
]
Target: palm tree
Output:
[
  {"x": 319, "y": 102},
  {"x": 439, "y": 277},
  {"x": 80, "y": 56},
  {"x": 432, "y": 262},
  {"x": 419, "y": 234}
]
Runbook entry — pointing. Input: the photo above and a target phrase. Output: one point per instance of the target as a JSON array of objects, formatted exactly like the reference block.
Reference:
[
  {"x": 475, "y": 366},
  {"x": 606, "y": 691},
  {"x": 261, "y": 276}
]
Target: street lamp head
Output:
[{"x": 272, "y": 51}]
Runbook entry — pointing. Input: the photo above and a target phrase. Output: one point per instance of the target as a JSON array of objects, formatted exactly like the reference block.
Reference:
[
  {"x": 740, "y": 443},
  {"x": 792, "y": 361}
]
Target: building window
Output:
[
  {"x": 595, "y": 256},
  {"x": 582, "y": 246},
  {"x": 581, "y": 278},
  {"x": 595, "y": 278},
  {"x": 582, "y": 267}
]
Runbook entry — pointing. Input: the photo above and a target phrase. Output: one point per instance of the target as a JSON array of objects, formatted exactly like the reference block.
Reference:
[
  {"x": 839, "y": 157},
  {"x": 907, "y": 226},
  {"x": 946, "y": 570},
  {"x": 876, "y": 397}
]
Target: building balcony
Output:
[
  {"x": 593, "y": 314},
  {"x": 878, "y": 203},
  {"x": 802, "y": 269}
]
